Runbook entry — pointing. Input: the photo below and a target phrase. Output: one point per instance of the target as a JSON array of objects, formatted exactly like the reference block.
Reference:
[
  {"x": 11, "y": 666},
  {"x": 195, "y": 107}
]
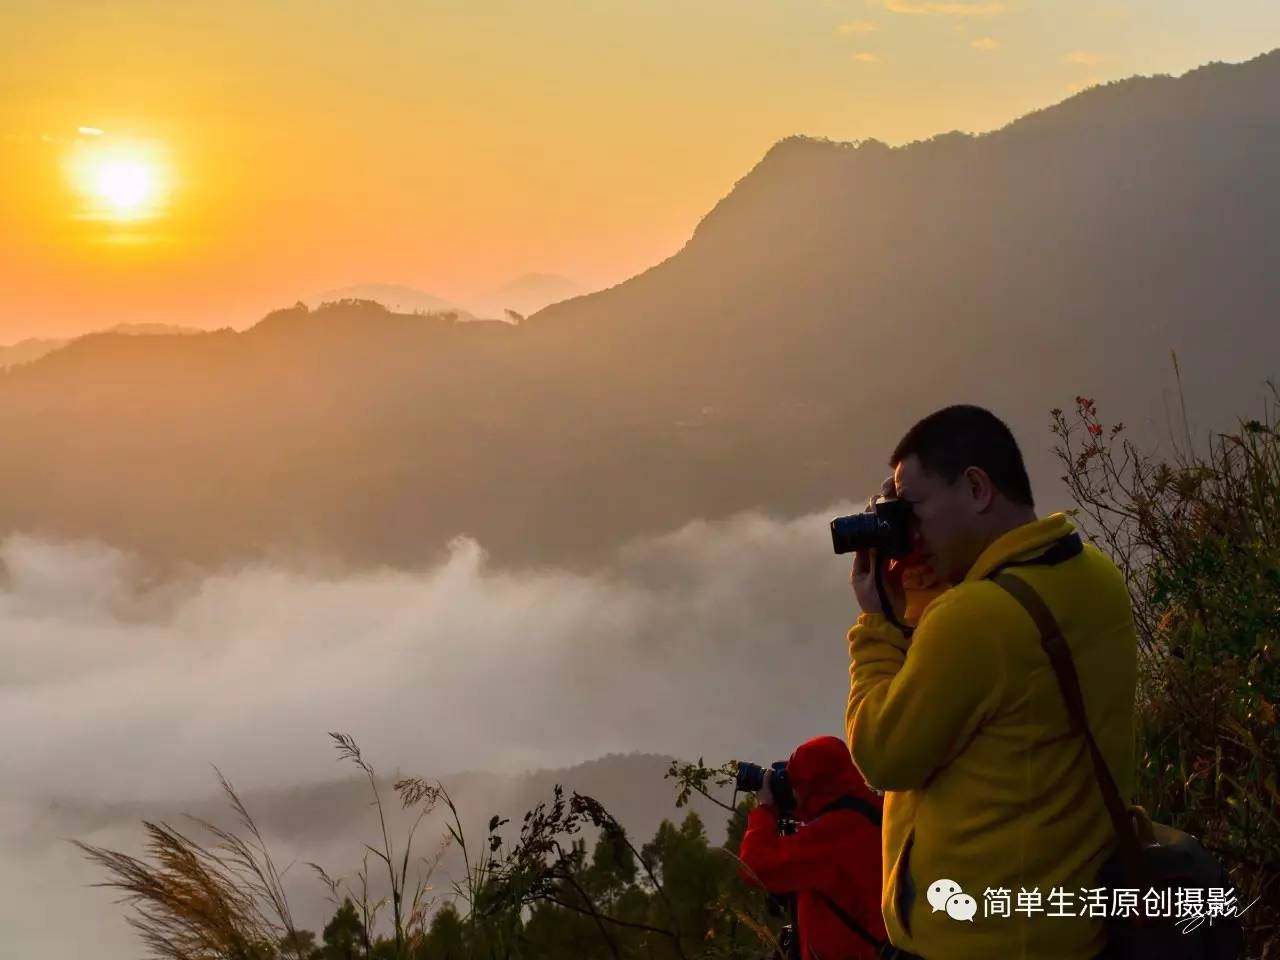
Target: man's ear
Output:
[{"x": 982, "y": 491}]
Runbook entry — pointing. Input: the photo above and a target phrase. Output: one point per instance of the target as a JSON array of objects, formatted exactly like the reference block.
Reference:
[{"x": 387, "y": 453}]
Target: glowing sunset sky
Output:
[{"x": 200, "y": 163}]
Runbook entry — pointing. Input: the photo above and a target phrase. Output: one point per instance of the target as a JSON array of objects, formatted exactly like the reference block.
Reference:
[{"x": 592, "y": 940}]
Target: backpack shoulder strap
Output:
[
  {"x": 868, "y": 810},
  {"x": 856, "y": 804},
  {"x": 1059, "y": 551},
  {"x": 848, "y": 921},
  {"x": 1064, "y": 669}
]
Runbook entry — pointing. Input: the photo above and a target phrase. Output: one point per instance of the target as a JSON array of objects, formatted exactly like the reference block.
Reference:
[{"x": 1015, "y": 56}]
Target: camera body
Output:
[
  {"x": 885, "y": 529},
  {"x": 751, "y": 778}
]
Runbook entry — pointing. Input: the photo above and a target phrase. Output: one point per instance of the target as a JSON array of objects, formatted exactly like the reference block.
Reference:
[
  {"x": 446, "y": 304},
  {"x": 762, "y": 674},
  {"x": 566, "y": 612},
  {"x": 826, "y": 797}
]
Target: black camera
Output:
[
  {"x": 751, "y": 779},
  {"x": 887, "y": 529}
]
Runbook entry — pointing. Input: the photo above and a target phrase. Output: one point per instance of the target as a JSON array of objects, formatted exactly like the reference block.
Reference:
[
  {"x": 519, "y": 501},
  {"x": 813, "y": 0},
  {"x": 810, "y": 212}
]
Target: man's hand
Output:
[
  {"x": 764, "y": 796},
  {"x": 863, "y": 575}
]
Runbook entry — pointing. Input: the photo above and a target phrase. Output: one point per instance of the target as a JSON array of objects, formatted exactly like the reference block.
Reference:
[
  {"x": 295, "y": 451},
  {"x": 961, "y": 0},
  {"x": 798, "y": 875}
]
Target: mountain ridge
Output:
[{"x": 833, "y": 296}]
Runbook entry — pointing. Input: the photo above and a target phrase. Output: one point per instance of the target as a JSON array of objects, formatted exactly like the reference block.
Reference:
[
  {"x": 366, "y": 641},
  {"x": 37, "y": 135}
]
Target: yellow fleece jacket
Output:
[{"x": 964, "y": 728}]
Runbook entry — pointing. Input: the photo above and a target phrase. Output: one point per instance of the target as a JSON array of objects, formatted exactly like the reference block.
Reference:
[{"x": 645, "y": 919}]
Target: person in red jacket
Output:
[{"x": 831, "y": 863}]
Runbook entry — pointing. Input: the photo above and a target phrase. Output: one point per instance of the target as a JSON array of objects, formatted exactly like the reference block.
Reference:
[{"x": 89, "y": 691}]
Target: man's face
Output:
[{"x": 945, "y": 532}]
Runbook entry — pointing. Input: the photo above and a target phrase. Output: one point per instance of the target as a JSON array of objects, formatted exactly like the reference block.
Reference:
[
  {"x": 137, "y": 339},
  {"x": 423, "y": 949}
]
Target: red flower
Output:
[{"x": 1095, "y": 429}]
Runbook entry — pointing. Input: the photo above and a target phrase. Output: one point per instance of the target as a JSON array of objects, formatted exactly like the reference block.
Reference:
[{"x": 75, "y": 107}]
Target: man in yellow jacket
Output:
[{"x": 991, "y": 805}]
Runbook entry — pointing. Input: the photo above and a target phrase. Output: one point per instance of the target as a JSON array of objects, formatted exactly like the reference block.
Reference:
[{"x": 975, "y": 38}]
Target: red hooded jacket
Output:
[{"x": 837, "y": 853}]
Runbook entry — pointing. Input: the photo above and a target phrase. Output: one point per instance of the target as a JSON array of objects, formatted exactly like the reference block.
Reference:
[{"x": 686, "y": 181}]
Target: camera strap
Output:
[{"x": 886, "y": 606}]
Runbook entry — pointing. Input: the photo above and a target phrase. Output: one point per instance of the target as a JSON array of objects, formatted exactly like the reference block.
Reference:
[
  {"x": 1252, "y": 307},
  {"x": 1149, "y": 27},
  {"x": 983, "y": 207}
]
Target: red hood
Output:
[{"x": 821, "y": 770}]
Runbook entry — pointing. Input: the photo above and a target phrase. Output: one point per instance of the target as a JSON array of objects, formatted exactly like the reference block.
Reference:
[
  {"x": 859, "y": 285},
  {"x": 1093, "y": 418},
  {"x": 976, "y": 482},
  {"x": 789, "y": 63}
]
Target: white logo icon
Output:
[
  {"x": 947, "y": 895},
  {"x": 940, "y": 891},
  {"x": 961, "y": 906}
]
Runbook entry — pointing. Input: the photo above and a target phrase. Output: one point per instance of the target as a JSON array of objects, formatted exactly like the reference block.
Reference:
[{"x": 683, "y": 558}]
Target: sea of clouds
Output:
[{"x": 718, "y": 639}]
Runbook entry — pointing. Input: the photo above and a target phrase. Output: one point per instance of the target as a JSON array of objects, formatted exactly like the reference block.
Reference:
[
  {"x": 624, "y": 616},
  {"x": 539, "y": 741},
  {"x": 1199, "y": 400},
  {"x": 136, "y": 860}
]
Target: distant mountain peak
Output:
[
  {"x": 152, "y": 330},
  {"x": 34, "y": 348},
  {"x": 396, "y": 297},
  {"x": 526, "y": 294}
]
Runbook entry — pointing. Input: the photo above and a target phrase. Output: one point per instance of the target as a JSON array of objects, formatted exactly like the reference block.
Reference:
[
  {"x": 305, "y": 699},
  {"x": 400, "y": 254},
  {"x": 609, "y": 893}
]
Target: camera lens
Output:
[
  {"x": 886, "y": 529},
  {"x": 750, "y": 777},
  {"x": 857, "y": 532}
]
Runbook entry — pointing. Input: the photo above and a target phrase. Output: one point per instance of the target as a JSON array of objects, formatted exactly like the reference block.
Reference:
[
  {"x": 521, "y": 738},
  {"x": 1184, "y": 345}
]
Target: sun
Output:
[
  {"x": 119, "y": 180},
  {"x": 124, "y": 185}
]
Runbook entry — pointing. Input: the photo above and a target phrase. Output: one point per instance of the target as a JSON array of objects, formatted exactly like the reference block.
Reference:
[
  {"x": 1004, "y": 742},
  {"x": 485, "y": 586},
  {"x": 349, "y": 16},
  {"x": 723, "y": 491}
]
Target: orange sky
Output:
[{"x": 312, "y": 144}]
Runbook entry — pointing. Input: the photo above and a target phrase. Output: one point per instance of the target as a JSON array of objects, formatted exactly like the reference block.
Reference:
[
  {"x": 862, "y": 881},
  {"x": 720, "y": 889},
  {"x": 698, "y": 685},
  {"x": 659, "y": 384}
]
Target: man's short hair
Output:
[{"x": 962, "y": 436}]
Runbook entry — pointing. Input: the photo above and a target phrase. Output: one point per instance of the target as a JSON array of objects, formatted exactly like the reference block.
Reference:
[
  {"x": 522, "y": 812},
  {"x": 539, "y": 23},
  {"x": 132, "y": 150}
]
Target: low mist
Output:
[{"x": 718, "y": 640}]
